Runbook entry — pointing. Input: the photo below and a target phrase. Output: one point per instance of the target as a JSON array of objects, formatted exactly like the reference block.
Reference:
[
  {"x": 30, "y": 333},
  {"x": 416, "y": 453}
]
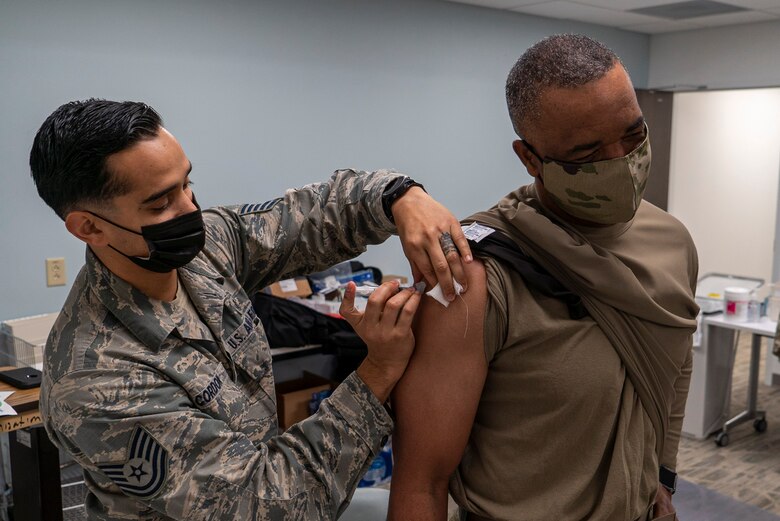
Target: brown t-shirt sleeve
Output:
[
  {"x": 496, "y": 310},
  {"x": 682, "y": 384},
  {"x": 671, "y": 445}
]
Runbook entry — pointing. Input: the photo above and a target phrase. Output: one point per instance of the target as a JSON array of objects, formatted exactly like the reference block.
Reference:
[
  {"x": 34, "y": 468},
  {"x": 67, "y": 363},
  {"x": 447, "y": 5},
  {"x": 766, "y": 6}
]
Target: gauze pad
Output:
[{"x": 438, "y": 295}]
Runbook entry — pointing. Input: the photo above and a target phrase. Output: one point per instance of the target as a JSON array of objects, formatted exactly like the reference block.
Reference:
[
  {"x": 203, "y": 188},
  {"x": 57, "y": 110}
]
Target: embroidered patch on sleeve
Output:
[
  {"x": 146, "y": 468},
  {"x": 258, "y": 208}
]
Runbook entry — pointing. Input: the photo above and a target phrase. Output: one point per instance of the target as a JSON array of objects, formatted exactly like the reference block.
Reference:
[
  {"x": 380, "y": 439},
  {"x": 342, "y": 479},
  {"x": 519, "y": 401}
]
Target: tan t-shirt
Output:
[{"x": 560, "y": 432}]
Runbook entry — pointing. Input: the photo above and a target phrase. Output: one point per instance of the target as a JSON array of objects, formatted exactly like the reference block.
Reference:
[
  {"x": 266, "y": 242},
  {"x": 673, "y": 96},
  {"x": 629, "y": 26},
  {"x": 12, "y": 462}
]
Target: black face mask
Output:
[{"x": 172, "y": 244}]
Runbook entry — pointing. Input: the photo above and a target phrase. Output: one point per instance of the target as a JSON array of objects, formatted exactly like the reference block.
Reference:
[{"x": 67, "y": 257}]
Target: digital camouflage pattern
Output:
[
  {"x": 606, "y": 192},
  {"x": 173, "y": 426}
]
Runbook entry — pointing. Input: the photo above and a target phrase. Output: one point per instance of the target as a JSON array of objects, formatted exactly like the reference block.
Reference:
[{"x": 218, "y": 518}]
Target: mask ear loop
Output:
[
  {"x": 531, "y": 149},
  {"x": 109, "y": 221}
]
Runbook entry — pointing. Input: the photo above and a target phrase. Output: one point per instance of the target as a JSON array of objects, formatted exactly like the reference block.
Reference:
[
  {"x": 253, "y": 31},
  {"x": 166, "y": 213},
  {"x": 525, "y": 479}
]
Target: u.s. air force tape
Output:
[
  {"x": 144, "y": 471},
  {"x": 258, "y": 208}
]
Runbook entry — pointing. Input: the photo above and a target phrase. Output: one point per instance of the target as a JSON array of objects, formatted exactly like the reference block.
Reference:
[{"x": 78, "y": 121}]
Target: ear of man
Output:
[
  {"x": 86, "y": 228},
  {"x": 531, "y": 162}
]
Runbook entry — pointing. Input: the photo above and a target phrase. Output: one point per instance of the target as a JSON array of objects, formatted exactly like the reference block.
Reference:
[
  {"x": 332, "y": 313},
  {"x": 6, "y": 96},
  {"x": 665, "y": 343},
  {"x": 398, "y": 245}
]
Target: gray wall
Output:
[
  {"x": 265, "y": 95},
  {"x": 721, "y": 58}
]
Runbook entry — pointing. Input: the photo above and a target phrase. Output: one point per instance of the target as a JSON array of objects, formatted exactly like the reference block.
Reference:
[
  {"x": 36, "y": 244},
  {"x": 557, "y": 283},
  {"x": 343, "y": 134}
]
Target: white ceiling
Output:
[{"x": 615, "y": 13}]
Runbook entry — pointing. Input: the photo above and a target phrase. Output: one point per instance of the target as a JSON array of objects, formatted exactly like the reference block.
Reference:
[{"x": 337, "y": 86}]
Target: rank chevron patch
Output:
[
  {"x": 146, "y": 467},
  {"x": 258, "y": 208}
]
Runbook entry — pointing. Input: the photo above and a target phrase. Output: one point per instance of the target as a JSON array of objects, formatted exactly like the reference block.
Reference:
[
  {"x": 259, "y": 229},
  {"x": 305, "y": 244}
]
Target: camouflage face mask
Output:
[{"x": 604, "y": 192}]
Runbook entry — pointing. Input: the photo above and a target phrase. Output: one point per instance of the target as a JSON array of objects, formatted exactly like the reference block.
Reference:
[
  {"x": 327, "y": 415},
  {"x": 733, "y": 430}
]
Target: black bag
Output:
[
  {"x": 289, "y": 324},
  {"x": 501, "y": 247}
]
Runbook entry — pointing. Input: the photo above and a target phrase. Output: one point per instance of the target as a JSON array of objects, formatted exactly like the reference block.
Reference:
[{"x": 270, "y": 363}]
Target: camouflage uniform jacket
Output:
[{"x": 167, "y": 427}]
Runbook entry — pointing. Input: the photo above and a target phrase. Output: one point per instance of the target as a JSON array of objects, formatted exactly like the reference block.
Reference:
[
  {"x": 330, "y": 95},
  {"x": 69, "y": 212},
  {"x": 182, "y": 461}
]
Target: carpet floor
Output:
[{"x": 748, "y": 469}]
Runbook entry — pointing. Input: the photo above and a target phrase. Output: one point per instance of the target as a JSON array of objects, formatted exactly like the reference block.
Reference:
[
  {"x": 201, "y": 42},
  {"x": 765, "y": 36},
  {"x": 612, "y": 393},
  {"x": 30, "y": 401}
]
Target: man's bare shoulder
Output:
[{"x": 461, "y": 322}]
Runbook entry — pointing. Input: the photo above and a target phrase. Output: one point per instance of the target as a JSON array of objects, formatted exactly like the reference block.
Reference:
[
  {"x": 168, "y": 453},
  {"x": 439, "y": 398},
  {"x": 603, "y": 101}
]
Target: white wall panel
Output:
[{"x": 723, "y": 181}]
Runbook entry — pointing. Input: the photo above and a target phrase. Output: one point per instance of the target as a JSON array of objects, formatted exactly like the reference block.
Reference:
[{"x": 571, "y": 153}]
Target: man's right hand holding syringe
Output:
[{"x": 386, "y": 328}]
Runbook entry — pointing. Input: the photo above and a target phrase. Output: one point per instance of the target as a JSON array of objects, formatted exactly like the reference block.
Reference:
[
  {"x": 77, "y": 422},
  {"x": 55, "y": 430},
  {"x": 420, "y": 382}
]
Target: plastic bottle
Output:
[
  {"x": 316, "y": 400},
  {"x": 381, "y": 468},
  {"x": 754, "y": 308},
  {"x": 735, "y": 304}
]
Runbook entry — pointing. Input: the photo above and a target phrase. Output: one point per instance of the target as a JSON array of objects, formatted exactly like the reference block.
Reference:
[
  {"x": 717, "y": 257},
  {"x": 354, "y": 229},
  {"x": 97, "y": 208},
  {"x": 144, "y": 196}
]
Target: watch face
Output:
[{"x": 668, "y": 479}]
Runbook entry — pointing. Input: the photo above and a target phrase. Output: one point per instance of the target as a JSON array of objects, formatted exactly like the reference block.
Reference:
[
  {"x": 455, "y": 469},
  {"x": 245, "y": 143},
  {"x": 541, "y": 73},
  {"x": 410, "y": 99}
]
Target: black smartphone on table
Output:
[{"x": 22, "y": 377}]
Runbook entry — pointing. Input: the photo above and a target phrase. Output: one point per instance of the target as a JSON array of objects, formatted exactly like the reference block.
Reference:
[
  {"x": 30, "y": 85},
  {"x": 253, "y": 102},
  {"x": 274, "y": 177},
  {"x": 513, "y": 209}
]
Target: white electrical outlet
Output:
[{"x": 55, "y": 272}]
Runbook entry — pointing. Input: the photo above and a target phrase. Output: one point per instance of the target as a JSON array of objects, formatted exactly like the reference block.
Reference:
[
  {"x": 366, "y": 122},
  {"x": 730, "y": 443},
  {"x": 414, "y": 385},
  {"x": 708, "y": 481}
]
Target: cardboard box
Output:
[
  {"x": 293, "y": 397},
  {"x": 297, "y": 287}
]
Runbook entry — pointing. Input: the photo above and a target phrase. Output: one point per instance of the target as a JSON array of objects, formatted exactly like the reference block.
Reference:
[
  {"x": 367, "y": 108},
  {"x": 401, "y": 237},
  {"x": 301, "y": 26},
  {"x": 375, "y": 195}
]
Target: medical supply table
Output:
[
  {"x": 34, "y": 459},
  {"x": 719, "y": 335}
]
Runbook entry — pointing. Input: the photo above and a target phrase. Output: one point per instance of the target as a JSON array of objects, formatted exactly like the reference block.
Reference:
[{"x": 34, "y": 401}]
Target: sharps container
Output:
[{"x": 735, "y": 304}]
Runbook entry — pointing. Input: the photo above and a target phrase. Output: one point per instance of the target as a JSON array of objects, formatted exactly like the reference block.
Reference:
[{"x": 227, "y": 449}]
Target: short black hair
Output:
[
  {"x": 558, "y": 61},
  {"x": 68, "y": 156}
]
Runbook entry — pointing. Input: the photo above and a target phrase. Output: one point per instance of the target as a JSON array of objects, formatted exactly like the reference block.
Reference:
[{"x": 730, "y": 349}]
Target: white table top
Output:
[{"x": 764, "y": 327}]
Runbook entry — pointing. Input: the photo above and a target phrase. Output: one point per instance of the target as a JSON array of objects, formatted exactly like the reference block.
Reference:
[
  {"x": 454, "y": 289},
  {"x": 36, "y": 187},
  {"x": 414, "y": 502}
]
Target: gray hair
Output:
[{"x": 559, "y": 61}]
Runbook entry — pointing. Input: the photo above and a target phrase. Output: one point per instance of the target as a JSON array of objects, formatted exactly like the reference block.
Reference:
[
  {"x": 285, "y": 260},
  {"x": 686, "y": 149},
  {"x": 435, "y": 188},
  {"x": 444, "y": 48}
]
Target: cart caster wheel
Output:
[
  {"x": 759, "y": 425},
  {"x": 722, "y": 439}
]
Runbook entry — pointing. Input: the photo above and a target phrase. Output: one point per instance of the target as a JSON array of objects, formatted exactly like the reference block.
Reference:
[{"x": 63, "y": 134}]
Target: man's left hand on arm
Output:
[
  {"x": 422, "y": 222},
  {"x": 663, "y": 504}
]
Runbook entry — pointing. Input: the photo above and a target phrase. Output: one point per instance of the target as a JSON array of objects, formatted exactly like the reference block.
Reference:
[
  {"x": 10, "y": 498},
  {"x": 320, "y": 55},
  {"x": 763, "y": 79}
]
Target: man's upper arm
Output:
[
  {"x": 437, "y": 398},
  {"x": 677, "y": 414},
  {"x": 682, "y": 383}
]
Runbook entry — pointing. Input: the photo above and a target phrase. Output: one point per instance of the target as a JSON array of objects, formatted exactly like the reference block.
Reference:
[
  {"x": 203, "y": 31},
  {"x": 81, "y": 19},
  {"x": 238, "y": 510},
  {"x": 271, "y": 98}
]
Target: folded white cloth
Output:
[{"x": 438, "y": 295}]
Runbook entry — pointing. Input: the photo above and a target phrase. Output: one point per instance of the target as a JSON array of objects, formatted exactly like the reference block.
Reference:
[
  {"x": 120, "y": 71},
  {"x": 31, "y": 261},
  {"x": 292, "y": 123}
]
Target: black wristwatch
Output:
[
  {"x": 393, "y": 191},
  {"x": 668, "y": 478}
]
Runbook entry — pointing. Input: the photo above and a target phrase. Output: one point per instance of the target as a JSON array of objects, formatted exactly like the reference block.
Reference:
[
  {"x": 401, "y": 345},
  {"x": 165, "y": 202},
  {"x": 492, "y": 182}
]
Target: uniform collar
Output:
[
  {"x": 206, "y": 290},
  {"x": 148, "y": 319}
]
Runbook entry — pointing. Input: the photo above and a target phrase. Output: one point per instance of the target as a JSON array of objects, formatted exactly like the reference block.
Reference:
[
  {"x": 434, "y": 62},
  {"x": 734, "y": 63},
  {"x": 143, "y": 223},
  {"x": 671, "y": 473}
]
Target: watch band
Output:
[
  {"x": 668, "y": 478},
  {"x": 394, "y": 191}
]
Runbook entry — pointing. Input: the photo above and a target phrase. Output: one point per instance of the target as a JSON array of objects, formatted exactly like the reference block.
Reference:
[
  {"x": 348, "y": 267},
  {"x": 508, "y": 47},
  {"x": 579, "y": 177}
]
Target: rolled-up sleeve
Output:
[{"x": 306, "y": 230}]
